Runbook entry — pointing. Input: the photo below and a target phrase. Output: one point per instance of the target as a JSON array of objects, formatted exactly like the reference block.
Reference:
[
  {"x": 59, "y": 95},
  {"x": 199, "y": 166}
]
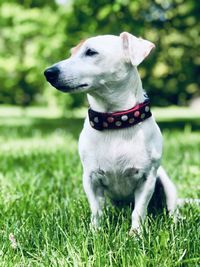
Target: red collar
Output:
[{"x": 120, "y": 119}]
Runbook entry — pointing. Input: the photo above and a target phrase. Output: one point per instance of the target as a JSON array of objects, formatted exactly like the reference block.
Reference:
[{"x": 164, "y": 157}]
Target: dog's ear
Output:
[{"x": 135, "y": 49}]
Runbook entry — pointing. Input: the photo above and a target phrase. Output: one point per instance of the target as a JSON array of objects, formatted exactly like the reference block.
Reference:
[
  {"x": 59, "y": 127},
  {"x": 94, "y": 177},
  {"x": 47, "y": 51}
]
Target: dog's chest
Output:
[
  {"x": 114, "y": 151},
  {"x": 116, "y": 164}
]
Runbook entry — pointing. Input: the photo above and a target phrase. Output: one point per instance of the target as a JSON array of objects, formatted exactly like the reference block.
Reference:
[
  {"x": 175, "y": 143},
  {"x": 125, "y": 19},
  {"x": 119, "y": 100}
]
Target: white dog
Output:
[{"x": 120, "y": 145}]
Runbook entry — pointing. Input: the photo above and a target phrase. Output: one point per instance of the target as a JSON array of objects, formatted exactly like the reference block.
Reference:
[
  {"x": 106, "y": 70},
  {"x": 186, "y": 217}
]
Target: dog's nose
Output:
[{"x": 51, "y": 74}]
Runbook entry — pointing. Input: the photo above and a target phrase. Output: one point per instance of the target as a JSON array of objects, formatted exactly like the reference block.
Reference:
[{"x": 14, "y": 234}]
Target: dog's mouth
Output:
[
  {"x": 83, "y": 85},
  {"x": 69, "y": 88}
]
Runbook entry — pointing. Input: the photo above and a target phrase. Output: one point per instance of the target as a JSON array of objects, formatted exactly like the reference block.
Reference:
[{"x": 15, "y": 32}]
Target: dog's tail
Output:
[
  {"x": 182, "y": 201},
  {"x": 170, "y": 193}
]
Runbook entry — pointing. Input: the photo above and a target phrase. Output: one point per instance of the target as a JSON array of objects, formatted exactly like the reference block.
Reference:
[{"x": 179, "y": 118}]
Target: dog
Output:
[{"x": 120, "y": 145}]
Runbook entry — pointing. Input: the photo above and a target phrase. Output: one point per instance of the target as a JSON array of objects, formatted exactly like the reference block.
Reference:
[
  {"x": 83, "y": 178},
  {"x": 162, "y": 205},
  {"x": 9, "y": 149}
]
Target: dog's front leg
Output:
[
  {"x": 96, "y": 199},
  {"x": 143, "y": 195}
]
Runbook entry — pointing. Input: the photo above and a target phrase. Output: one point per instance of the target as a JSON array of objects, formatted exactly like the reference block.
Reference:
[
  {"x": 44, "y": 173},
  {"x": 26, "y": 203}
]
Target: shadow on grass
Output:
[
  {"x": 30, "y": 127},
  {"x": 180, "y": 124},
  {"x": 73, "y": 126}
]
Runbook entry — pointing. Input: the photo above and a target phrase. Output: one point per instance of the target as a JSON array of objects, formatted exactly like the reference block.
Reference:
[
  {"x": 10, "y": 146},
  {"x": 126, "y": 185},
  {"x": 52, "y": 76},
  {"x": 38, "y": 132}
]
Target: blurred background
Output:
[
  {"x": 42, "y": 204},
  {"x": 35, "y": 34}
]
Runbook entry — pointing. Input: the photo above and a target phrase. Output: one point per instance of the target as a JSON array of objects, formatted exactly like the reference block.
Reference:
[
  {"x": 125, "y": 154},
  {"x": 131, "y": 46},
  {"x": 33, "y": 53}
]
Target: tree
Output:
[{"x": 36, "y": 34}]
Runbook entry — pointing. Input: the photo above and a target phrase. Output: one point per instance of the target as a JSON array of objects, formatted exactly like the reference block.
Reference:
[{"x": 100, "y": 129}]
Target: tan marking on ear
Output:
[{"x": 76, "y": 48}]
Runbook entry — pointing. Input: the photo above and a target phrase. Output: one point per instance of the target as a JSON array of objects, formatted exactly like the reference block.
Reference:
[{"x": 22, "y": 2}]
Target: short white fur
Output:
[{"x": 120, "y": 164}]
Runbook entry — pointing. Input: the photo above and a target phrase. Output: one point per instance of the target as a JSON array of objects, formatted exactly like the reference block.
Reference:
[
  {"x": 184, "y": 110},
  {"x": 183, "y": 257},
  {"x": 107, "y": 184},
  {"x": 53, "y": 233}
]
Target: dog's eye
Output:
[{"x": 89, "y": 52}]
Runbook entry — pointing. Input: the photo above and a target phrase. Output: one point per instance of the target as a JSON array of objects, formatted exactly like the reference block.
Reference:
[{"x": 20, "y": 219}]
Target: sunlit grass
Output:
[
  {"x": 43, "y": 205},
  {"x": 55, "y": 112}
]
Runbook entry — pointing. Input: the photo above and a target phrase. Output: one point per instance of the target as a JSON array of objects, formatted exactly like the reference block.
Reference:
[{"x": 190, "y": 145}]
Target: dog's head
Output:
[{"x": 98, "y": 61}]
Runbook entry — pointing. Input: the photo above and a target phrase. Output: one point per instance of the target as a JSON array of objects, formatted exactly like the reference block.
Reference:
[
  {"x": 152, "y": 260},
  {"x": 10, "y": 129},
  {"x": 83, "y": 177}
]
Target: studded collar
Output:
[{"x": 120, "y": 119}]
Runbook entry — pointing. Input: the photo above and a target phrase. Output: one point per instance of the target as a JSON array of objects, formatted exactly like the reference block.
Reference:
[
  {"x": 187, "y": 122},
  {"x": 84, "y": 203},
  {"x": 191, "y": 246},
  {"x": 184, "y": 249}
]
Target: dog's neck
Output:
[{"x": 125, "y": 96}]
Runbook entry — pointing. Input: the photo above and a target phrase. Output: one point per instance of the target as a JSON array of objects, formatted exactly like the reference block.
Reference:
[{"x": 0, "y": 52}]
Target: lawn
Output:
[{"x": 44, "y": 214}]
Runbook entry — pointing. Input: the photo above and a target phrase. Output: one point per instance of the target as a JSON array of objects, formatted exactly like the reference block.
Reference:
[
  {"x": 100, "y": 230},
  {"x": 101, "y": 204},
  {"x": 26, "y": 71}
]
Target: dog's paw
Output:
[
  {"x": 135, "y": 231},
  {"x": 95, "y": 223},
  {"x": 177, "y": 216},
  {"x": 94, "y": 228}
]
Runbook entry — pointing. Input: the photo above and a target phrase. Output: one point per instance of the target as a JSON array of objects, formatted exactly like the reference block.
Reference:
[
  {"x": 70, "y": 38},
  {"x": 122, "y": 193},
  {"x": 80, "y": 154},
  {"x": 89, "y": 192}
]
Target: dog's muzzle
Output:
[{"x": 52, "y": 74}]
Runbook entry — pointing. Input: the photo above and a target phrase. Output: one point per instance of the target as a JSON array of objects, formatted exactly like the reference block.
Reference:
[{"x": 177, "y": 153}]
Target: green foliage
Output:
[
  {"x": 44, "y": 209},
  {"x": 29, "y": 43},
  {"x": 35, "y": 34}
]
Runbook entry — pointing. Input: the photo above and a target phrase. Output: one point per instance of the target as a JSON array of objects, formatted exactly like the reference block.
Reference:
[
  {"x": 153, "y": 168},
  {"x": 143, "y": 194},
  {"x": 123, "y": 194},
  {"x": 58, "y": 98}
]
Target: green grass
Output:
[{"x": 42, "y": 203}]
